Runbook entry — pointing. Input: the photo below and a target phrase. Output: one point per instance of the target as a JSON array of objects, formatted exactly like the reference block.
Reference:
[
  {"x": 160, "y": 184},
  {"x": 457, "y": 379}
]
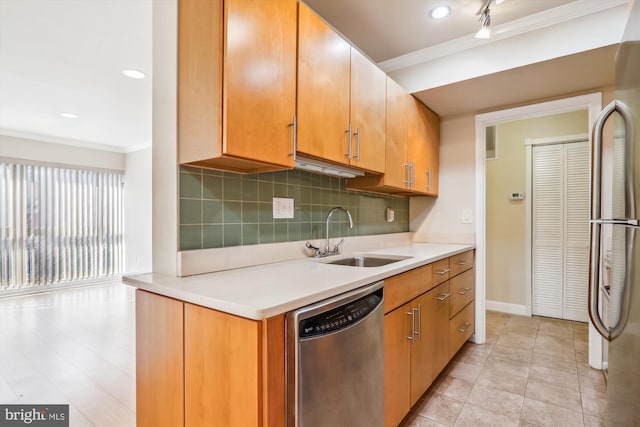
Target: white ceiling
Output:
[
  {"x": 67, "y": 56},
  {"x": 386, "y": 29}
]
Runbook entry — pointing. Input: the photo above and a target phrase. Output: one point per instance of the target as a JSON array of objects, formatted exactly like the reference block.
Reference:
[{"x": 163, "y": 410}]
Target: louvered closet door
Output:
[{"x": 560, "y": 230}]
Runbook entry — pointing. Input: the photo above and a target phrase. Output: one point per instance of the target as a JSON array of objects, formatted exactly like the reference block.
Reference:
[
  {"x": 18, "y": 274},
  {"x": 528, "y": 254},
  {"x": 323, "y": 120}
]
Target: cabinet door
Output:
[
  {"x": 433, "y": 152},
  {"x": 462, "y": 290},
  {"x": 259, "y": 80},
  {"x": 324, "y": 80},
  {"x": 398, "y": 102},
  {"x": 397, "y": 365},
  {"x": 159, "y": 361},
  {"x": 222, "y": 369},
  {"x": 424, "y": 146},
  {"x": 431, "y": 350},
  {"x": 461, "y": 327},
  {"x": 421, "y": 352},
  {"x": 368, "y": 98},
  {"x": 437, "y": 326},
  {"x": 417, "y": 149}
]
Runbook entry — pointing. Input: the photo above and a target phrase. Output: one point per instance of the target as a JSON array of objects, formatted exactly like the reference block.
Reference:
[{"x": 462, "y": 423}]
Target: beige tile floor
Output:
[{"x": 532, "y": 371}]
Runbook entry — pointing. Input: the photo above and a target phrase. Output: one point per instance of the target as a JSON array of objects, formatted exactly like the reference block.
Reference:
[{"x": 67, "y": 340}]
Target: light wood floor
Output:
[{"x": 75, "y": 346}]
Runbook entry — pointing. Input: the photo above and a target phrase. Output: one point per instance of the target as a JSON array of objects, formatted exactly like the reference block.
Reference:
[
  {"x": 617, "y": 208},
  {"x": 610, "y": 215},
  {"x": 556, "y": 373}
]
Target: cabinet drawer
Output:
[
  {"x": 460, "y": 328},
  {"x": 440, "y": 271},
  {"x": 462, "y": 291},
  {"x": 404, "y": 287},
  {"x": 461, "y": 262}
]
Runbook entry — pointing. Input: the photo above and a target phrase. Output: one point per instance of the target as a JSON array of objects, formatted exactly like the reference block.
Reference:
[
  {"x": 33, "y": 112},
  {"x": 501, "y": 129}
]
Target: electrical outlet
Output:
[
  {"x": 282, "y": 208},
  {"x": 391, "y": 215}
]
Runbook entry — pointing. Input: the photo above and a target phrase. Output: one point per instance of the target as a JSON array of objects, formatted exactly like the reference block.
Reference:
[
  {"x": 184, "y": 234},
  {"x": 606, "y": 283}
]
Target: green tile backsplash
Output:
[{"x": 220, "y": 209}]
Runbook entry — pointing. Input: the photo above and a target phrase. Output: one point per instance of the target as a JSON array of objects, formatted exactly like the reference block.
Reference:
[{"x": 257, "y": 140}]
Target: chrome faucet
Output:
[{"x": 327, "y": 249}]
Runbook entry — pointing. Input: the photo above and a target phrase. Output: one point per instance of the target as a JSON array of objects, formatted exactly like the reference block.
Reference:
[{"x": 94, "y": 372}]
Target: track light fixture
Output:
[{"x": 485, "y": 21}]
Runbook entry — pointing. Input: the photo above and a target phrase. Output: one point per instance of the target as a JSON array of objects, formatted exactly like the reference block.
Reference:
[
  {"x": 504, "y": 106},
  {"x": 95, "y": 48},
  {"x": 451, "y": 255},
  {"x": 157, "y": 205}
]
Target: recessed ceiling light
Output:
[
  {"x": 134, "y": 74},
  {"x": 440, "y": 12},
  {"x": 69, "y": 115}
]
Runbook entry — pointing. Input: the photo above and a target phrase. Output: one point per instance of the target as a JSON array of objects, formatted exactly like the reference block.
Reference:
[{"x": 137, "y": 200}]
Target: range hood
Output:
[{"x": 318, "y": 166}]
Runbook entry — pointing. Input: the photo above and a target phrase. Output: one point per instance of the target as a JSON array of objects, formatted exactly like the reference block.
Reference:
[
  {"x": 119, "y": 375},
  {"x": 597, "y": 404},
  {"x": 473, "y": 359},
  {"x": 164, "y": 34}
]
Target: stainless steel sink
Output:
[{"x": 368, "y": 260}]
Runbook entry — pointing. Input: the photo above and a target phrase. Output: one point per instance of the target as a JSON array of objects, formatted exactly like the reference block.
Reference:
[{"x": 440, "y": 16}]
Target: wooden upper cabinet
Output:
[
  {"x": 324, "y": 80},
  {"x": 341, "y": 98},
  {"x": 368, "y": 98},
  {"x": 412, "y": 143},
  {"x": 396, "y": 140},
  {"x": 236, "y": 83},
  {"x": 424, "y": 145}
]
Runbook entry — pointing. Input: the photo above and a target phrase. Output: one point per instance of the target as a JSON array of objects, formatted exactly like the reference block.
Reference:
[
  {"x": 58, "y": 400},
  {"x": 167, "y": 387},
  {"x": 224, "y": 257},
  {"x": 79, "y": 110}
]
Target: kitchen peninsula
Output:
[{"x": 210, "y": 347}]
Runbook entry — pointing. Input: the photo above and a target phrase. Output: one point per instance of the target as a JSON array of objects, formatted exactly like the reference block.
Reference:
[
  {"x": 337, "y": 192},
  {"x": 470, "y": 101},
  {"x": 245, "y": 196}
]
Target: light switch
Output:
[
  {"x": 282, "y": 207},
  {"x": 467, "y": 215}
]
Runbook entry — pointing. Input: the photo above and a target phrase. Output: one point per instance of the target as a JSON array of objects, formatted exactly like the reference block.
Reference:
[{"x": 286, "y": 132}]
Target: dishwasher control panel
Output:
[{"x": 339, "y": 317}]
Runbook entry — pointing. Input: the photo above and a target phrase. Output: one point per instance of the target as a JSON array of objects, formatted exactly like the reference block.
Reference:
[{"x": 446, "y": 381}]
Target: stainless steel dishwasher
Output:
[{"x": 335, "y": 361}]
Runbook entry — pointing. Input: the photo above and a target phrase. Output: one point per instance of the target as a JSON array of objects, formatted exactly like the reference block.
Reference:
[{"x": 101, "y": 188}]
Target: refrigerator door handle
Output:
[
  {"x": 596, "y": 222},
  {"x": 625, "y": 297},
  {"x": 594, "y": 281},
  {"x": 631, "y": 222}
]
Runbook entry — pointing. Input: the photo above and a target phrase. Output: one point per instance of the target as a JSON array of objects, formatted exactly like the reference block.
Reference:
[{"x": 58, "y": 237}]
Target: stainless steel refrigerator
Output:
[{"x": 614, "y": 290}]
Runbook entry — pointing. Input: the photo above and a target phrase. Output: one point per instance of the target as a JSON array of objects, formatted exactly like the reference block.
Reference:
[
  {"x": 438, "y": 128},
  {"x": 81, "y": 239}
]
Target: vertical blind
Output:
[{"x": 58, "y": 225}]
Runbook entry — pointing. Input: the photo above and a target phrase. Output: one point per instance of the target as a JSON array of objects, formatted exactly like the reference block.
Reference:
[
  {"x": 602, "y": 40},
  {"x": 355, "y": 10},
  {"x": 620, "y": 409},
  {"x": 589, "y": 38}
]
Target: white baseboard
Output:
[{"x": 506, "y": 307}]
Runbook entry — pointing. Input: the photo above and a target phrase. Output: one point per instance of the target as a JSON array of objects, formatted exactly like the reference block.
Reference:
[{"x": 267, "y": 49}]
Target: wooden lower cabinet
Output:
[
  {"x": 429, "y": 316},
  {"x": 437, "y": 322},
  {"x": 197, "y": 366},
  {"x": 221, "y": 370},
  {"x": 416, "y": 350},
  {"x": 461, "y": 327},
  {"x": 159, "y": 361},
  {"x": 397, "y": 365},
  {"x": 429, "y": 353}
]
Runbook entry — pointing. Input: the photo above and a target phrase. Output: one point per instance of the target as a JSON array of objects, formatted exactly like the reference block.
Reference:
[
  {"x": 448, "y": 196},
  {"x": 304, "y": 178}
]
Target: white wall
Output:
[
  {"x": 59, "y": 154},
  {"x": 137, "y": 212},
  {"x": 440, "y": 219},
  {"x": 165, "y": 140}
]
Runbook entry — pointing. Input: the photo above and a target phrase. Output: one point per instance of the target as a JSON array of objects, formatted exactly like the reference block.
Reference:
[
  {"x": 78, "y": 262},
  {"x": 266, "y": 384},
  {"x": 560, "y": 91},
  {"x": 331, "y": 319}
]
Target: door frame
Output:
[{"x": 591, "y": 102}]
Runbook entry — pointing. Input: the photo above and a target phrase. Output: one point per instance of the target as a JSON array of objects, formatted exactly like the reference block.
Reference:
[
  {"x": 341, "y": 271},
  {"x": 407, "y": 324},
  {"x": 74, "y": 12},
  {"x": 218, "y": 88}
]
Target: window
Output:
[{"x": 58, "y": 225}]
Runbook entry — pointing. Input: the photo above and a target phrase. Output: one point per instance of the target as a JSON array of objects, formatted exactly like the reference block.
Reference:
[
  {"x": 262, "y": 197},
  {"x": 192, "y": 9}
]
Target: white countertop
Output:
[{"x": 268, "y": 290}]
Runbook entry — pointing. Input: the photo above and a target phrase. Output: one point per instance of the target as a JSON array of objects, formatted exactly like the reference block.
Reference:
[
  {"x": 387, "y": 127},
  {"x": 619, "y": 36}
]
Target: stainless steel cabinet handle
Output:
[
  {"x": 294, "y": 125},
  {"x": 463, "y": 262},
  {"x": 407, "y": 168},
  {"x": 413, "y": 326},
  {"x": 464, "y": 328},
  {"x": 445, "y": 271},
  {"x": 609, "y": 333},
  {"x": 349, "y": 133},
  {"x": 357, "y": 156},
  {"x": 443, "y": 297},
  {"x": 413, "y": 174},
  {"x": 429, "y": 172},
  {"x": 419, "y": 310},
  {"x": 464, "y": 291}
]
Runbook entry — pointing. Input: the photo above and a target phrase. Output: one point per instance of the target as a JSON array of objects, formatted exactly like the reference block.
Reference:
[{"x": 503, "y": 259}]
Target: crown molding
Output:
[
  {"x": 547, "y": 18},
  {"x": 71, "y": 142}
]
